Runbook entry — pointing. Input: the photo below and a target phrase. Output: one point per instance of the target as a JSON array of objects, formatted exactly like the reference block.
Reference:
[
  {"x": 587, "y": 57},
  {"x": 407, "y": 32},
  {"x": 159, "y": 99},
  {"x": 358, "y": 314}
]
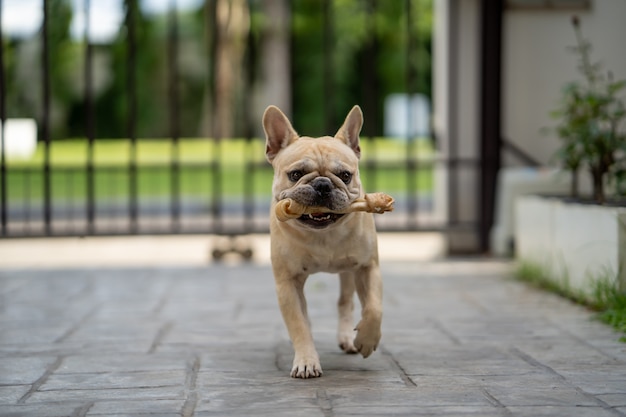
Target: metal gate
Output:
[{"x": 217, "y": 185}]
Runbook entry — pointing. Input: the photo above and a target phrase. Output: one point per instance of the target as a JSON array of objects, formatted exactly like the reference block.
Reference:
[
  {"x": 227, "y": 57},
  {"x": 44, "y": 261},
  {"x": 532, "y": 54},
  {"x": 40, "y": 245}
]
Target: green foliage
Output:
[
  {"x": 23, "y": 64},
  {"x": 369, "y": 41},
  {"x": 590, "y": 123},
  {"x": 538, "y": 277},
  {"x": 358, "y": 28}
]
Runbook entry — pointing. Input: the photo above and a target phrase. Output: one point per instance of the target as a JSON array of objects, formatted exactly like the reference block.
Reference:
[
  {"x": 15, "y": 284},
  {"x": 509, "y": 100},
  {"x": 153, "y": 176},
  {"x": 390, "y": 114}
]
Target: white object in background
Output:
[
  {"x": 20, "y": 138},
  {"x": 575, "y": 243},
  {"x": 399, "y": 124},
  {"x": 514, "y": 182}
]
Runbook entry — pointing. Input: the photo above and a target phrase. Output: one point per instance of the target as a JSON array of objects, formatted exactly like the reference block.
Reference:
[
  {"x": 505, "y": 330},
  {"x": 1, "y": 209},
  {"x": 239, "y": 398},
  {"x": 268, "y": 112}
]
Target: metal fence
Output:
[{"x": 53, "y": 199}]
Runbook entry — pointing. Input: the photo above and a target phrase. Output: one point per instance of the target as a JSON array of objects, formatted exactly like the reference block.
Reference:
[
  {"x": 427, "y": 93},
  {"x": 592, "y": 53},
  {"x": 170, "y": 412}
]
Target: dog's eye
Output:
[
  {"x": 345, "y": 176},
  {"x": 295, "y": 175}
]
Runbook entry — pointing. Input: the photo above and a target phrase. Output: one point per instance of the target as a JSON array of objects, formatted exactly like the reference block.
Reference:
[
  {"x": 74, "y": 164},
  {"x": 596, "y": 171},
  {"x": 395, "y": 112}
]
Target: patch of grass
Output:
[
  {"x": 205, "y": 168},
  {"x": 610, "y": 301},
  {"x": 605, "y": 296}
]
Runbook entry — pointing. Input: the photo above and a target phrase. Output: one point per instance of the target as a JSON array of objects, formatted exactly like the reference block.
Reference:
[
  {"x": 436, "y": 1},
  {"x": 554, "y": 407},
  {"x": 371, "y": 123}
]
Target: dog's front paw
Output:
[
  {"x": 367, "y": 338},
  {"x": 306, "y": 367}
]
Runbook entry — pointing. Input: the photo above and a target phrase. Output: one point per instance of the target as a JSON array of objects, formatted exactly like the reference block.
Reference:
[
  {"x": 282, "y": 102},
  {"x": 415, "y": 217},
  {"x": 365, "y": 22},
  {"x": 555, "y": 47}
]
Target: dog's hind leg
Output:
[{"x": 345, "y": 307}]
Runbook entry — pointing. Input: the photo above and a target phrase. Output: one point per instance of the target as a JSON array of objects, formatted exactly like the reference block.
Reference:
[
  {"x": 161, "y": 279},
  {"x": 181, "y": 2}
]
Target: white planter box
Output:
[
  {"x": 514, "y": 182},
  {"x": 575, "y": 242}
]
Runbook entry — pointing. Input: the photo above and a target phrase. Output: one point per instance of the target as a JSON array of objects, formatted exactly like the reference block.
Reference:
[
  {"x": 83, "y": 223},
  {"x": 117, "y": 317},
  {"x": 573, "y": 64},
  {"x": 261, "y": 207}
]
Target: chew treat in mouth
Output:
[{"x": 287, "y": 208}]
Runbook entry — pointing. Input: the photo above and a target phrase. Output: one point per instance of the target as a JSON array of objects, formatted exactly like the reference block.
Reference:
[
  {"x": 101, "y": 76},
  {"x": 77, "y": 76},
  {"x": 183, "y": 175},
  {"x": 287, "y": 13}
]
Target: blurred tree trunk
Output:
[
  {"x": 231, "y": 20},
  {"x": 275, "y": 85}
]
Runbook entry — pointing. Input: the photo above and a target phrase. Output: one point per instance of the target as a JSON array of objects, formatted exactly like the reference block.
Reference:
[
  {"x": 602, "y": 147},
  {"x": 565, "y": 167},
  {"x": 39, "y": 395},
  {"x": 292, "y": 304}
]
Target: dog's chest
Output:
[{"x": 329, "y": 262}]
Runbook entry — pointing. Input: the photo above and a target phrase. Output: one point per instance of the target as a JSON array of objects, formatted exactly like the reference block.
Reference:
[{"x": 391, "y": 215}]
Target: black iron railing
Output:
[{"x": 94, "y": 198}]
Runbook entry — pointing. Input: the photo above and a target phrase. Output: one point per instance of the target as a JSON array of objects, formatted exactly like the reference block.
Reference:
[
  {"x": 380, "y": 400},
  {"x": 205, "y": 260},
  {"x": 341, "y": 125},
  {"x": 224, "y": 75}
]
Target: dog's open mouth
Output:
[{"x": 319, "y": 220}]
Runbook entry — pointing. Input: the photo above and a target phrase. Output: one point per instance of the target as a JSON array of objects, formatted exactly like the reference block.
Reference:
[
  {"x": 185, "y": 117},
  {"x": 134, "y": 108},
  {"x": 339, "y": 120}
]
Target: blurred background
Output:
[
  {"x": 145, "y": 116},
  {"x": 125, "y": 117},
  {"x": 312, "y": 56}
]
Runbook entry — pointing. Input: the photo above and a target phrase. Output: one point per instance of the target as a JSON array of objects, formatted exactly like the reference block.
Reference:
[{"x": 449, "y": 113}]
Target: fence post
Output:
[
  {"x": 89, "y": 120},
  {"x": 216, "y": 191},
  {"x": 131, "y": 11},
  {"x": 45, "y": 124},
  {"x": 249, "y": 165},
  {"x": 173, "y": 114},
  {"x": 3, "y": 167}
]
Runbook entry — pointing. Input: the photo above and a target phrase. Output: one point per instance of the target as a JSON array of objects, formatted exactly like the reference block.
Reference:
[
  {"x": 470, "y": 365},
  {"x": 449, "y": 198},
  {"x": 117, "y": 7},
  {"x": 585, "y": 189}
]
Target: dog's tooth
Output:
[{"x": 320, "y": 217}]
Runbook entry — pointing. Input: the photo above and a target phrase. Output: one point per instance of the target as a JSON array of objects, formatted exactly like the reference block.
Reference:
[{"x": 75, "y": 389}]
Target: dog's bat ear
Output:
[
  {"x": 278, "y": 132},
  {"x": 349, "y": 131}
]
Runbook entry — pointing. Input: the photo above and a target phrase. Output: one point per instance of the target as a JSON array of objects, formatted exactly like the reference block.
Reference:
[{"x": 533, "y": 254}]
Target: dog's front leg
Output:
[
  {"x": 290, "y": 292},
  {"x": 369, "y": 288}
]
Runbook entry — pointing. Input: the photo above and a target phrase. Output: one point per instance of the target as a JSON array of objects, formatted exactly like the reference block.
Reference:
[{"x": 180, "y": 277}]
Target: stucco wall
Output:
[{"x": 536, "y": 64}]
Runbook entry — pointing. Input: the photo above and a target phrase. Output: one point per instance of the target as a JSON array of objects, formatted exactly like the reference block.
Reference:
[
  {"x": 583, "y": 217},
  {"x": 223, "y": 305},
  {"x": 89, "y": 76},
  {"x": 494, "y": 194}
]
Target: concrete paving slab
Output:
[{"x": 460, "y": 338}]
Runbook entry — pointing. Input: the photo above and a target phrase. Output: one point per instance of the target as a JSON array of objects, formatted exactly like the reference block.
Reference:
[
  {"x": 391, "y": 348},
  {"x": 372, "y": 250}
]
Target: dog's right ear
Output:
[{"x": 278, "y": 132}]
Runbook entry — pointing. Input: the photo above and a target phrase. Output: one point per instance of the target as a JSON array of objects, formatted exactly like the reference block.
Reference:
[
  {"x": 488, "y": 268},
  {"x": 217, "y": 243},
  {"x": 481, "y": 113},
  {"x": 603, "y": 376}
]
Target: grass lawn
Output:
[{"x": 205, "y": 167}]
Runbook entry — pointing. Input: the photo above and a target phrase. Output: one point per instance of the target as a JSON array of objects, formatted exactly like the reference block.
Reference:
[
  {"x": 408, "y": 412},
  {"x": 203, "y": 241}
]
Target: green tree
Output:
[
  {"x": 25, "y": 71},
  {"x": 358, "y": 29}
]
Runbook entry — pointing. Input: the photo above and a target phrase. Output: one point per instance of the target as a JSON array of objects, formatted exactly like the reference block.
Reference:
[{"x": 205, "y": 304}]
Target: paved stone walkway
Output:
[{"x": 459, "y": 338}]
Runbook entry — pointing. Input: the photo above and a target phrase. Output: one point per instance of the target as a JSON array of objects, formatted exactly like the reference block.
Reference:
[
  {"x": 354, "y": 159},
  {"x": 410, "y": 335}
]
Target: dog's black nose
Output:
[{"x": 322, "y": 185}]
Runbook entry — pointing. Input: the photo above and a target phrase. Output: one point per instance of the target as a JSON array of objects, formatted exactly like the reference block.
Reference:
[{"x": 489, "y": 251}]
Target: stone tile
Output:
[
  {"x": 261, "y": 359},
  {"x": 23, "y": 370},
  {"x": 560, "y": 411},
  {"x": 216, "y": 337},
  {"x": 565, "y": 351},
  {"x": 422, "y": 333},
  {"x": 300, "y": 394},
  {"x": 502, "y": 329},
  {"x": 114, "y": 380},
  {"x": 26, "y": 333},
  {"x": 614, "y": 400},
  {"x": 408, "y": 411},
  {"x": 424, "y": 395},
  {"x": 294, "y": 411},
  {"x": 466, "y": 360},
  {"x": 535, "y": 389},
  {"x": 122, "y": 362},
  {"x": 10, "y": 394},
  {"x": 48, "y": 409},
  {"x": 103, "y": 331},
  {"x": 599, "y": 379},
  {"x": 107, "y": 394},
  {"x": 139, "y": 407}
]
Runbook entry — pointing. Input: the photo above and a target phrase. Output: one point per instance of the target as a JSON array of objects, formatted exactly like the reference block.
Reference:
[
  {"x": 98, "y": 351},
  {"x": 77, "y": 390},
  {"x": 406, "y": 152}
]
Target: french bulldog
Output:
[{"x": 322, "y": 172}]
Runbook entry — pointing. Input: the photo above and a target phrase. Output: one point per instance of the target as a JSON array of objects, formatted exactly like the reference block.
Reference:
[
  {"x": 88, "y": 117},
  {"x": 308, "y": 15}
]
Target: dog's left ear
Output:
[{"x": 349, "y": 131}]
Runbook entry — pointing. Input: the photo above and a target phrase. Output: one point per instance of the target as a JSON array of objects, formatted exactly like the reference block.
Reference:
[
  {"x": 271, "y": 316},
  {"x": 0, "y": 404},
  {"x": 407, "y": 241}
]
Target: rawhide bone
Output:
[{"x": 287, "y": 208}]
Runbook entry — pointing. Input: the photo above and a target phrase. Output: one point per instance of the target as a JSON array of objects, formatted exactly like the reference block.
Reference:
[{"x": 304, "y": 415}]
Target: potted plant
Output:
[
  {"x": 581, "y": 238},
  {"x": 590, "y": 118}
]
